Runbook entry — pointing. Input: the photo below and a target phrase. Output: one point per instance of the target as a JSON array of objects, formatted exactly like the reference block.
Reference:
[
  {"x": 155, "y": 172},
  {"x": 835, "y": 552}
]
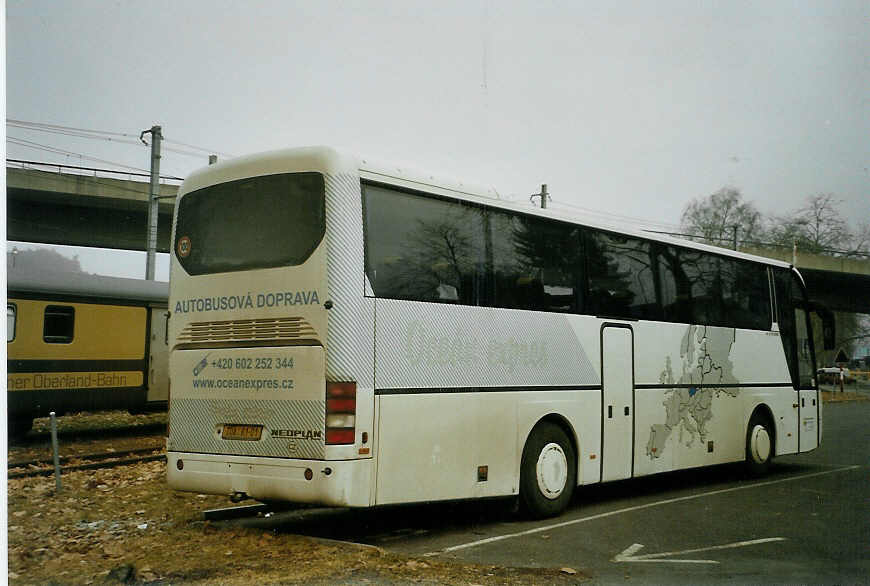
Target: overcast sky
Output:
[{"x": 630, "y": 109}]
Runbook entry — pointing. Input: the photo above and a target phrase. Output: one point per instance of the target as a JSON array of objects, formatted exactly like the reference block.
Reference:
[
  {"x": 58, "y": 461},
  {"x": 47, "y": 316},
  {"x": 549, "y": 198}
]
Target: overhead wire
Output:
[
  {"x": 77, "y": 134},
  {"x": 610, "y": 215},
  {"x": 28, "y": 124},
  {"x": 42, "y": 147},
  {"x": 59, "y": 179},
  {"x": 675, "y": 232},
  {"x": 107, "y": 135},
  {"x": 95, "y": 169},
  {"x": 191, "y": 146},
  {"x": 181, "y": 152}
]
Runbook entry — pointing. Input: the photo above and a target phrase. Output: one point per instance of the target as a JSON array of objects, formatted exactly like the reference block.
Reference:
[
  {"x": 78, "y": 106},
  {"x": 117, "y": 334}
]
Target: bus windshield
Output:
[{"x": 253, "y": 223}]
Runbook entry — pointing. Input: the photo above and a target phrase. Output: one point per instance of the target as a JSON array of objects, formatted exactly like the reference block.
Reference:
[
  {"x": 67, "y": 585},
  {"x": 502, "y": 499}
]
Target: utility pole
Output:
[
  {"x": 153, "y": 199},
  {"x": 735, "y": 236}
]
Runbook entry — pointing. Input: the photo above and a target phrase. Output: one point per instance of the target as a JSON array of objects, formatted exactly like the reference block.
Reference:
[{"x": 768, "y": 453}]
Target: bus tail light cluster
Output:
[{"x": 340, "y": 413}]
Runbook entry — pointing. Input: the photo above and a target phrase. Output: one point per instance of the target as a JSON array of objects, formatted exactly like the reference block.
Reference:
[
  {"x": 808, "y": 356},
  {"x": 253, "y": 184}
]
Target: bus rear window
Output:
[{"x": 255, "y": 223}]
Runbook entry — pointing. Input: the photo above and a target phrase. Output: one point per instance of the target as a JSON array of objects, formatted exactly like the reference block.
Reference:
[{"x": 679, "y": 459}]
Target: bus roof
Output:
[
  {"x": 31, "y": 280},
  {"x": 328, "y": 160},
  {"x": 415, "y": 180}
]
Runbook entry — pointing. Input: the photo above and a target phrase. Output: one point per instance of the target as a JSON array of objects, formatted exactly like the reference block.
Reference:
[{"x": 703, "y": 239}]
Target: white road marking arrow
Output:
[{"x": 628, "y": 554}]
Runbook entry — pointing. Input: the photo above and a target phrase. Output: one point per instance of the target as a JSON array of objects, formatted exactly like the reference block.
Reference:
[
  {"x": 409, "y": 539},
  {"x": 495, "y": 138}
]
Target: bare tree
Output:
[
  {"x": 819, "y": 227},
  {"x": 816, "y": 227},
  {"x": 43, "y": 259},
  {"x": 721, "y": 218},
  {"x": 861, "y": 241}
]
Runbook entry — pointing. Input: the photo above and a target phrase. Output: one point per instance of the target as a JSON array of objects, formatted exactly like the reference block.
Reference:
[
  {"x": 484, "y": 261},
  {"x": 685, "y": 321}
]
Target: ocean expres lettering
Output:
[{"x": 248, "y": 301}]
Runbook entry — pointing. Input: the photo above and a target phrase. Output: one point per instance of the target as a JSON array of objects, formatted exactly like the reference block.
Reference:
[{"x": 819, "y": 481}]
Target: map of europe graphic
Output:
[{"x": 705, "y": 355}]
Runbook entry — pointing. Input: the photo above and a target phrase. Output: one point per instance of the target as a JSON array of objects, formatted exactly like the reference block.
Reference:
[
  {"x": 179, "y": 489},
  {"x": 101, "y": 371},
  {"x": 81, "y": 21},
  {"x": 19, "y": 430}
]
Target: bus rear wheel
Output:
[
  {"x": 548, "y": 471},
  {"x": 759, "y": 444}
]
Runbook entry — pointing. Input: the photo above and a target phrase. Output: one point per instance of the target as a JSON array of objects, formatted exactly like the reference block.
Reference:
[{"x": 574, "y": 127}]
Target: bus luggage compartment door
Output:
[
  {"x": 267, "y": 401},
  {"x": 808, "y": 420}
]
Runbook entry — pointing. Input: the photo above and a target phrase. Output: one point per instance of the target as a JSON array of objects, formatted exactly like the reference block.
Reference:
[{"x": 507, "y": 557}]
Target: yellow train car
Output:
[{"x": 78, "y": 342}]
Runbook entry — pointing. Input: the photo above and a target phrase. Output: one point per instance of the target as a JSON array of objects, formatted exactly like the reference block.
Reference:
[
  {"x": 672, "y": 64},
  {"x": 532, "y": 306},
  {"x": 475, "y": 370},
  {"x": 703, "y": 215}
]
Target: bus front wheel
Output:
[
  {"x": 759, "y": 444},
  {"x": 548, "y": 471}
]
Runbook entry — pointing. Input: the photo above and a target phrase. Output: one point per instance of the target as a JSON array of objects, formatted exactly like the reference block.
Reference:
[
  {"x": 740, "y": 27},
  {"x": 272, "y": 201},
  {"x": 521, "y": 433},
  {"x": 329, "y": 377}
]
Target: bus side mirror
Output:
[{"x": 829, "y": 328}]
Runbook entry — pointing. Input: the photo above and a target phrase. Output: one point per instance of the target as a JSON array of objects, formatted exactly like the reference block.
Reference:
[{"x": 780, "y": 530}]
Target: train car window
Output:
[
  {"x": 59, "y": 324},
  {"x": 11, "y": 312}
]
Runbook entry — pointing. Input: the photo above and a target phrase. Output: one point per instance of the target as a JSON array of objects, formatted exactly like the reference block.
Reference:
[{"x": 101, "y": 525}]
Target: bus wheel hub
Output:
[
  {"x": 760, "y": 444},
  {"x": 552, "y": 471}
]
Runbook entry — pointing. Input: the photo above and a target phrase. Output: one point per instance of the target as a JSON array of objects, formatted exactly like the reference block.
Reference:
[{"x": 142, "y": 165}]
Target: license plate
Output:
[{"x": 249, "y": 433}]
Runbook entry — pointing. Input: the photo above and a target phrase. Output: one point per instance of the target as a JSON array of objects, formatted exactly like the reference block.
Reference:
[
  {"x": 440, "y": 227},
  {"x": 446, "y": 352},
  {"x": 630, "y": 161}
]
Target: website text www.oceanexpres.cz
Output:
[{"x": 247, "y": 384}]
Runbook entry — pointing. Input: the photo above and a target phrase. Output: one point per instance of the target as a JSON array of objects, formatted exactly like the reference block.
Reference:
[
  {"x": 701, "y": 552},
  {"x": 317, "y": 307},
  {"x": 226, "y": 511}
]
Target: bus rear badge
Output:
[
  {"x": 184, "y": 246},
  {"x": 297, "y": 434}
]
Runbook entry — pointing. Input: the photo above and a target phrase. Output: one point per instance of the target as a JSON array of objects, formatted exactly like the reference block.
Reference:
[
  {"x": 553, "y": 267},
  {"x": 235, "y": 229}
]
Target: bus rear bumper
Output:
[{"x": 340, "y": 483}]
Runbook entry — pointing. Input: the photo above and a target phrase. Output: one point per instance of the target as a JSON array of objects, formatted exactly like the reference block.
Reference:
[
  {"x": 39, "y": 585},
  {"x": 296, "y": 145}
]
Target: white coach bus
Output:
[{"x": 353, "y": 335}]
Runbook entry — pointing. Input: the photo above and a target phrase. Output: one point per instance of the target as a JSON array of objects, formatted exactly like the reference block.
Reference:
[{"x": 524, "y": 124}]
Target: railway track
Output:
[
  {"x": 74, "y": 434},
  {"x": 94, "y": 461}
]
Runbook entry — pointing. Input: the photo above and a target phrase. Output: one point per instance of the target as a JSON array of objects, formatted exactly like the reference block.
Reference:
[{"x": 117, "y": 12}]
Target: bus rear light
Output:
[
  {"x": 340, "y": 405},
  {"x": 334, "y": 420},
  {"x": 339, "y": 436},
  {"x": 340, "y": 413},
  {"x": 341, "y": 390}
]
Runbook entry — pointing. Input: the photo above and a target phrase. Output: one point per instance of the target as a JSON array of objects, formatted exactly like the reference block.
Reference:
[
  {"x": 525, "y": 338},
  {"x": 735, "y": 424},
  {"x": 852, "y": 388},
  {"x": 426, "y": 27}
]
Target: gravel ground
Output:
[{"x": 124, "y": 525}]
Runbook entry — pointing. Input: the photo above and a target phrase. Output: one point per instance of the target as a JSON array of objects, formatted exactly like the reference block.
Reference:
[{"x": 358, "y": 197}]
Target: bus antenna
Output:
[{"x": 542, "y": 195}]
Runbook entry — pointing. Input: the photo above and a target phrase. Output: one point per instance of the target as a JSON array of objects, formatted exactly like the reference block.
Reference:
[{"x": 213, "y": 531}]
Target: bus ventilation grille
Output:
[{"x": 286, "y": 329}]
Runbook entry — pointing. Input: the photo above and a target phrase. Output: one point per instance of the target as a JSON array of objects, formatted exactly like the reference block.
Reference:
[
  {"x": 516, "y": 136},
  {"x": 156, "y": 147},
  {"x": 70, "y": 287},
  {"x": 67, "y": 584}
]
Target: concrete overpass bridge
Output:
[
  {"x": 54, "y": 207},
  {"x": 840, "y": 284}
]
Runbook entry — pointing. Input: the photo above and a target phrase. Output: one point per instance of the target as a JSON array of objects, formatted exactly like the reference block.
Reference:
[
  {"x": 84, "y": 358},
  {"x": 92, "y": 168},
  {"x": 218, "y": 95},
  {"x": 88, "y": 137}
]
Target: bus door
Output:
[
  {"x": 808, "y": 395},
  {"x": 797, "y": 337},
  {"x": 617, "y": 380}
]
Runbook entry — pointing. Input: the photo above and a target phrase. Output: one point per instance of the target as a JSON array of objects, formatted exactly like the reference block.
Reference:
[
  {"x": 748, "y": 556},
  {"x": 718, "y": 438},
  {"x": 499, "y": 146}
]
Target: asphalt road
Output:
[{"x": 808, "y": 521}]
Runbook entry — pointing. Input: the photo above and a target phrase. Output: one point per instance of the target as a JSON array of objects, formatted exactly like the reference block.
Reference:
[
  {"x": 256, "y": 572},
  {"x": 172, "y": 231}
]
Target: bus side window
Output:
[
  {"x": 622, "y": 280},
  {"x": 59, "y": 324},
  {"x": 423, "y": 248},
  {"x": 785, "y": 318},
  {"x": 536, "y": 263},
  {"x": 11, "y": 312}
]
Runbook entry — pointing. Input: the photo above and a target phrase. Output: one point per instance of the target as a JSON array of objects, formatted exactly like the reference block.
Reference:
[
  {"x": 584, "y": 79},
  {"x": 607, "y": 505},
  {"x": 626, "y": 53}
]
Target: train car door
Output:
[{"x": 158, "y": 359}]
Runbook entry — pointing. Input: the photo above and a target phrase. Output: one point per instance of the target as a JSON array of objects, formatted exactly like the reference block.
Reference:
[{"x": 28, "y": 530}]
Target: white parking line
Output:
[
  {"x": 632, "y": 509},
  {"x": 628, "y": 555}
]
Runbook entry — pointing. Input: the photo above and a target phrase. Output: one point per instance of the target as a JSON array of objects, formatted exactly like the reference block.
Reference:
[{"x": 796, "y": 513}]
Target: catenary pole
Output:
[{"x": 153, "y": 199}]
